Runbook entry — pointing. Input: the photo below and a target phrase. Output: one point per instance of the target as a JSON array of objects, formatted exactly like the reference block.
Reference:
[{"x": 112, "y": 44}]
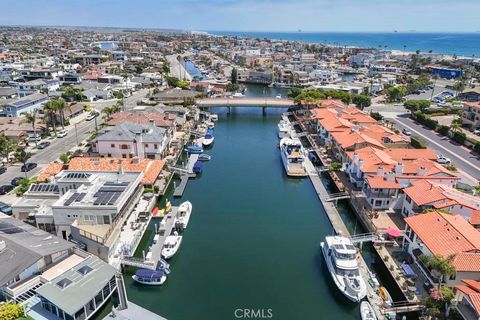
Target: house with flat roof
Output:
[
  {"x": 128, "y": 140},
  {"x": 18, "y": 106},
  {"x": 37, "y": 86},
  {"x": 50, "y": 275},
  {"x": 446, "y": 235}
]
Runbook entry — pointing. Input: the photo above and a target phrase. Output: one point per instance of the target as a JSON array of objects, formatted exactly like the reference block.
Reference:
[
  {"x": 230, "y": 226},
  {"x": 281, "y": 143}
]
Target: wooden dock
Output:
[
  {"x": 178, "y": 192},
  {"x": 164, "y": 230},
  {"x": 339, "y": 227}
]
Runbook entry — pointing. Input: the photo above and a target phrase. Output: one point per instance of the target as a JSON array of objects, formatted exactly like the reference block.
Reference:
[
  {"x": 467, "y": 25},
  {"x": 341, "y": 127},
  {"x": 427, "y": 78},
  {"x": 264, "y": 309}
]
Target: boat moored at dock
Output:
[
  {"x": 204, "y": 157},
  {"x": 292, "y": 157},
  {"x": 283, "y": 129},
  {"x": 208, "y": 139},
  {"x": 194, "y": 149},
  {"x": 171, "y": 246},
  {"x": 155, "y": 277},
  {"x": 341, "y": 259},
  {"x": 183, "y": 214},
  {"x": 366, "y": 311}
]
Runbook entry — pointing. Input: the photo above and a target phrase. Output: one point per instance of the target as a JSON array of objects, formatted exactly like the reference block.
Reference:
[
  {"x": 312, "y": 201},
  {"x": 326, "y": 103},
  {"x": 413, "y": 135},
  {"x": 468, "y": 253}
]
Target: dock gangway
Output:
[
  {"x": 138, "y": 263},
  {"x": 403, "y": 306},
  {"x": 364, "y": 237},
  {"x": 337, "y": 196}
]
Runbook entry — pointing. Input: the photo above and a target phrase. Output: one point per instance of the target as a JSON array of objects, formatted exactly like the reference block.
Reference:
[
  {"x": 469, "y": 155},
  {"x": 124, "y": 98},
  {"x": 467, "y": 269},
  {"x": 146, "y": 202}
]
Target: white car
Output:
[
  {"x": 443, "y": 160},
  {"x": 477, "y": 132},
  {"x": 91, "y": 116},
  {"x": 61, "y": 133}
]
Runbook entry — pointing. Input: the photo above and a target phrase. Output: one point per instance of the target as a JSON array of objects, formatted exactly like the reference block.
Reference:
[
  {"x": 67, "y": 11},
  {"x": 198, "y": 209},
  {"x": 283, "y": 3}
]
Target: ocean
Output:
[{"x": 460, "y": 44}]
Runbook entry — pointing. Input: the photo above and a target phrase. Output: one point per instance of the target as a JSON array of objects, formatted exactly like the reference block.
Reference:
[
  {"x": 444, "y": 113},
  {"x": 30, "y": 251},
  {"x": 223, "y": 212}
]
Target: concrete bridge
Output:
[{"x": 245, "y": 102}]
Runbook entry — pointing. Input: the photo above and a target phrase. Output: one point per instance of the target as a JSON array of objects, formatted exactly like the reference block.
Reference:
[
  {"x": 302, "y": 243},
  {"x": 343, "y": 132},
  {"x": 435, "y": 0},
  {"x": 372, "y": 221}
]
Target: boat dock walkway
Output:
[
  {"x": 164, "y": 230},
  {"x": 186, "y": 174},
  {"x": 340, "y": 228}
]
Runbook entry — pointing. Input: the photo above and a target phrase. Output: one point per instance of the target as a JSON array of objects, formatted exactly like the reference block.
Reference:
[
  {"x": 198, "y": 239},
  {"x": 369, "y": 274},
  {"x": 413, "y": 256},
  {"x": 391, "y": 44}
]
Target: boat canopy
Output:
[{"x": 152, "y": 274}]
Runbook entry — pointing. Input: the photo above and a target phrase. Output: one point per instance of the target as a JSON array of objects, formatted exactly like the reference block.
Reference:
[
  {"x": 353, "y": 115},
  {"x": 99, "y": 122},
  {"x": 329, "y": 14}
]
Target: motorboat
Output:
[
  {"x": 341, "y": 258},
  {"x": 283, "y": 129},
  {"x": 197, "y": 166},
  {"x": 171, "y": 245},
  {"x": 214, "y": 117},
  {"x": 155, "y": 277},
  {"x": 204, "y": 157},
  {"x": 208, "y": 139},
  {"x": 278, "y": 96},
  {"x": 238, "y": 95},
  {"x": 194, "y": 149},
  {"x": 366, "y": 311},
  {"x": 183, "y": 214},
  {"x": 210, "y": 124},
  {"x": 292, "y": 157},
  {"x": 387, "y": 299}
]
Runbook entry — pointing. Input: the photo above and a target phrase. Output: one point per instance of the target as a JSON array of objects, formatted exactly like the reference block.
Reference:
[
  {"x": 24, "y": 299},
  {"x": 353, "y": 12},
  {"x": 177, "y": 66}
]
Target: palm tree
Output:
[
  {"x": 60, "y": 106},
  {"x": 31, "y": 117},
  {"x": 50, "y": 110},
  {"x": 22, "y": 156},
  {"x": 455, "y": 126},
  {"x": 435, "y": 78}
]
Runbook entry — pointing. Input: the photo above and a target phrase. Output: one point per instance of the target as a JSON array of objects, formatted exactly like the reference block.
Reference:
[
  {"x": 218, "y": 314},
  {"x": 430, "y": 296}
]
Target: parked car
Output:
[
  {"x": 477, "y": 132},
  {"x": 62, "y": 133},
  {"x": 28, "y": 166},
  {"x": 6, "y": 188},
  {"x": 443, "y": 160},
  {"x": 5, "y": 208},
  {"x": 3, "y": 170},
  {"x": 32, "y": 138},
  {"x": 92, "y": 116},
  {"x": 406, "y": 132},
  {"x": 16, "y": 181},
  {"x": 43, "y": 144}
]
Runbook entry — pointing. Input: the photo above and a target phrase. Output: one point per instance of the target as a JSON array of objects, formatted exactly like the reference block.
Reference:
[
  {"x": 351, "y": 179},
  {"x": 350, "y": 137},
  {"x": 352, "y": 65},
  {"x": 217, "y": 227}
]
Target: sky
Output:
[{"x": 250, "y": 15}]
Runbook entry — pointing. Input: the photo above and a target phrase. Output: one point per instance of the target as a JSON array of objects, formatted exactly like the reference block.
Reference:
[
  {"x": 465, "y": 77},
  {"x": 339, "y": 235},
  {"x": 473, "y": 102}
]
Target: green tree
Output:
[
  {"x": 361, "y": 101},
  {"x": 50, "y": 110},
  {"x": 294, "y": 92},
  {"x": 435, "y": 78},
  {"x": 6, "y": 145},
  {"x": 234, "y": 76},
  {"x": 417, "y": 105},
  {"x": 396, "y": 94},
  {"x": 22, "y": 156},
  {"x": 64, "y": 158},
  {"x": 31, "y": 117},
  {"x": 11, "y": 311}
]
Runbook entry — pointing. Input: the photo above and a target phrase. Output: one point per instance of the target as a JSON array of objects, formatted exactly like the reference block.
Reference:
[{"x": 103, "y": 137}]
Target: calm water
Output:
[
  {"x": 253, "y": 238},
  {"x": 461, "y": 44}
]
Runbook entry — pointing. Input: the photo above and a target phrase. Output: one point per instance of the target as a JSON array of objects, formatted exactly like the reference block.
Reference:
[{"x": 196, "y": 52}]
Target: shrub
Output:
[
  {"x": 443, "y": 130},
  {"x": 335, "y": 166},
  {"x": 418, "y": 143},
  {"x": 477, "y": 147},
  {"x": 376, "y": 115},
  {"x": 459, "y": 137},
  {"x": 11, "y": 311},
  {"x": 414, "y": 105}
]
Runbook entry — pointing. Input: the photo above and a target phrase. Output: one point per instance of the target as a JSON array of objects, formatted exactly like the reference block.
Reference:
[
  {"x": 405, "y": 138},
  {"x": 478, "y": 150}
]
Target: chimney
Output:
[
  {"x": 399, "y": 168},
  {"x": 421, "y": 171},
  {"x": 390, "y": 176},
  {"x": 380, "y": 171},
  {"x": 359, "y": 170}
]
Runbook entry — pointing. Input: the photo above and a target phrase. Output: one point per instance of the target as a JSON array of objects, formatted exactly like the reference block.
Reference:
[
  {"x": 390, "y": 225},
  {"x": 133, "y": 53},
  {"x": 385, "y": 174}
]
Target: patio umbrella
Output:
[{"x": 393, "y": 232}]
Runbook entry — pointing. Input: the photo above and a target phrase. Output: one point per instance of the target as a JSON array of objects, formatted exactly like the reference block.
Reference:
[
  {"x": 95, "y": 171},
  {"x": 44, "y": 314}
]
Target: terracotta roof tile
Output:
[
  {"x": 380, "y": 182},
  {"x": 445, "y": 234},
  {"x": 50, "y": 170},
  {"x": 467, "y": 262}
]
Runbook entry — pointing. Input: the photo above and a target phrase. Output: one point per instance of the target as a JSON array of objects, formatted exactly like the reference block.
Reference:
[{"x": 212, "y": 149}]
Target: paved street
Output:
[
  {"x": 461, "y": 157},
  {"x": 61, "y": 145}
]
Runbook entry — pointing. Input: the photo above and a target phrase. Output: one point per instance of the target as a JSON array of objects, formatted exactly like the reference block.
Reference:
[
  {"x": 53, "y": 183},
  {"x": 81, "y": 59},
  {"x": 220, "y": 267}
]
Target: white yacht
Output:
[
  {"x": 341, "y": 258},
  {"x": 208, "y": 139},
  {"x": 214, "y": 117},
  {"x": 283, "y": 129},
  {"x": 292, "y": 157},
  {"x": 171, "y": 246},
  {"x": 366, "y": 311},
  {"x": 183, "y": 213}
]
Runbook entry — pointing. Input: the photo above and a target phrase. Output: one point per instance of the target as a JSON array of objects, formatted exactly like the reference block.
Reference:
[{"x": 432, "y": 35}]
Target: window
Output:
[
  {"x": 124, "y": 146},
  {"x": 84, "y": 270},
  {"x": 378, "y": 203},
  {"x": 155, "y": 146},
  {"x": 146, "y": 145},
  {"x": 112, "y": 145},
  {"x": 408, "y": 199}
]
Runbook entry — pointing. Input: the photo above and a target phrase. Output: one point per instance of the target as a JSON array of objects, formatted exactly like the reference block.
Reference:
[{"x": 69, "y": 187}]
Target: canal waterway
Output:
[{"x": 253, "y": 238}]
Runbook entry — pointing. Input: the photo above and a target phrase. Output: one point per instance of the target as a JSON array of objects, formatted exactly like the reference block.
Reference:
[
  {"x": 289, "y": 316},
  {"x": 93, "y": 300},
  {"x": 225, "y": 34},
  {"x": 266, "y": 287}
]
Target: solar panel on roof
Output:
[
  {"x": 9, "y": 228},
  {"x": 114, "y": 198}
]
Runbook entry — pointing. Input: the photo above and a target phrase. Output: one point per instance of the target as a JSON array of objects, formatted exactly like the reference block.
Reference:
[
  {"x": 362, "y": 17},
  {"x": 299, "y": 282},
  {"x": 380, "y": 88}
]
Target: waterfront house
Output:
[
  {"x": 471, "y": 115},
  {"x": 128, "y": 140},
  {"x": 468, "y": 297},
  {"x": 49, "y": 274},
  {"x": 18, "y": 106},
  {"x": 446, "y": 235},
  {"x": 425, "y": 194}
]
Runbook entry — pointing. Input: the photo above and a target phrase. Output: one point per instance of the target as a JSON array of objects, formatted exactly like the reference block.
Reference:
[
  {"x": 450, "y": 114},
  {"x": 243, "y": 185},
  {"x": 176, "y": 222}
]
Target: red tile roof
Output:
[
  {"x": 150, "y": 168},
  {"x": 52, "y": 169},
  {"x": 472, "y": 291},
  {"x": 467, "y": 262},
  {"x": 444, "y": 234},
  {"x": 380, "y": 182},
  {"x": 160, "y": 119}
]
